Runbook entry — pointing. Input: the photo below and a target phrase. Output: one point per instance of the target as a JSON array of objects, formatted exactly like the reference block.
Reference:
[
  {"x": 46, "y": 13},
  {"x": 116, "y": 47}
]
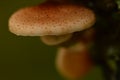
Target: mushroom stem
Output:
[{"x": 54, "y": 39}]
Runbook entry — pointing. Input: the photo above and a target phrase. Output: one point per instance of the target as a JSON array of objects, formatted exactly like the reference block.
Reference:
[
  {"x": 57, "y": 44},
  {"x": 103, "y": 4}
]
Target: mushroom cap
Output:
[
  {"x": 51, "y": 19},
  {"x": 55, "y": 40},
  {"x": 72, "y": 63}
]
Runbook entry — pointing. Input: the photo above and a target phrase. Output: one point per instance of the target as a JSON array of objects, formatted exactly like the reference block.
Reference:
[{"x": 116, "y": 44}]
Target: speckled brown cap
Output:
[{"x": 51, "y": 19}]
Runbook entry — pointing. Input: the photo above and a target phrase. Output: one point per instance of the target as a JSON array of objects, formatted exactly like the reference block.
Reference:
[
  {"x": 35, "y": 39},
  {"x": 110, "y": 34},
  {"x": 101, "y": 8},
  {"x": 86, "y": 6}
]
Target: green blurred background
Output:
[{"x": 27, "y": 58}]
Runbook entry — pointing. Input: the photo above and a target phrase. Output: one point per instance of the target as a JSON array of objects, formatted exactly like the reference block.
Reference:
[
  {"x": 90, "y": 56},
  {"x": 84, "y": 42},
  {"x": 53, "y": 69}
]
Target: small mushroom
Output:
[
  {"x": 55, "y": 40},
  {"x": 51, "y": 19},
  {"x": 74, "y": 62}
]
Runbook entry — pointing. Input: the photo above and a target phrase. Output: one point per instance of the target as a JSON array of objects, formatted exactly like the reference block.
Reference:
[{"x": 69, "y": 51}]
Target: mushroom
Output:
[
  {"x": 74, "y": 62},
  {"x": 50, "y": 20},
  {"x": 55, "y": 40}
]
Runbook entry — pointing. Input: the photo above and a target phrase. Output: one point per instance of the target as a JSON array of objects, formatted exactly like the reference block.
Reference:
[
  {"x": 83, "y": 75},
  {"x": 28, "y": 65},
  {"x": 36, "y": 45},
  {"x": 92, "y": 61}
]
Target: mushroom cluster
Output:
[{"x": 60, "y": 22}]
